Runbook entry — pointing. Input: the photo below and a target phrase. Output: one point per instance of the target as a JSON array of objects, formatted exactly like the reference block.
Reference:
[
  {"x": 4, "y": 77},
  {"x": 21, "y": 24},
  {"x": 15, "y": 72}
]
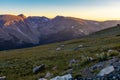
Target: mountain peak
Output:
[
  {"x": 10, "y": 18},
  {"x": 7, "y": 20},
  {"x": 59, "y": 17},
  {"x": 22, "y": 16}
]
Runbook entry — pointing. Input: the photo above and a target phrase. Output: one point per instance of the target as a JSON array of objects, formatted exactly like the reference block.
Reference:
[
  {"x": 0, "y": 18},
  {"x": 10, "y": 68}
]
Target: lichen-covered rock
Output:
[{"x": 106, "y": 71}]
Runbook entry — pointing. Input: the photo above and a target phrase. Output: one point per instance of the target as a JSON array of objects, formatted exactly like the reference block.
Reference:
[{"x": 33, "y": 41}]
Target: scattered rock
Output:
[
  {"x": 72, "y": 61},
  {"x": 77, "y": 48},
  {"x": 62, "y": 45},
  {"x": 91, "y": 59},
  {"x": 80, "y": 46},
  {"x": 48, "y": 75},
  {"x": 65, "y": 77},
  {"x": 110, "y": 50},
  {"x": 58, "y": 49},
  {"x": 106, "y": 71},
  {"x": 38, "y": 68},
  {"x": 54, "y": 68},
  {"x": 3, "y": 78},
  {"x": 92, "y": 71}
]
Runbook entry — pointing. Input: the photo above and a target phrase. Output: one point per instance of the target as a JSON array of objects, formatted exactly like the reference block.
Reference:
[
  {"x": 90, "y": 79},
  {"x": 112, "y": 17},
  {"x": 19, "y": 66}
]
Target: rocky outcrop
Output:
[{"x": 108, "y": 70}]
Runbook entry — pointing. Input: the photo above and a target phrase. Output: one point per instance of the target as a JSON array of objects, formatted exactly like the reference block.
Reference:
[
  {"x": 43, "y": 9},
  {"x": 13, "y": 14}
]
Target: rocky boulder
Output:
[
  {"x": 38, "y": 68},
  {"x": 106, "y": 71}
]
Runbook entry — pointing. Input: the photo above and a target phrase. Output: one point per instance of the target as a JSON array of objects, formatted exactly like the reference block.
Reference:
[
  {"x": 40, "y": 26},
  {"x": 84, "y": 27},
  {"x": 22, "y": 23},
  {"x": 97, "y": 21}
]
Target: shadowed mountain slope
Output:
[{"x": 21, "y": 31}]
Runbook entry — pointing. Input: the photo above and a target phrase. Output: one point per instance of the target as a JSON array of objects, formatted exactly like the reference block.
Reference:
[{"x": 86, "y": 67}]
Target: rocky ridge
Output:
[{"x": 21, "y": 31}]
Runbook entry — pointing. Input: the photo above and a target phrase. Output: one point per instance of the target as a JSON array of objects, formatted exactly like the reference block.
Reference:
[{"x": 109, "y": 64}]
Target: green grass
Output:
[{"x": 18, "y": 64}]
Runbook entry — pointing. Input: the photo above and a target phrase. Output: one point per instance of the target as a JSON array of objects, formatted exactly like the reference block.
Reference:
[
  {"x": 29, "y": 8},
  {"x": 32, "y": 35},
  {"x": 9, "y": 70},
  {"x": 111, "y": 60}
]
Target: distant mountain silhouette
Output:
[{"x": 21, "y": 31}]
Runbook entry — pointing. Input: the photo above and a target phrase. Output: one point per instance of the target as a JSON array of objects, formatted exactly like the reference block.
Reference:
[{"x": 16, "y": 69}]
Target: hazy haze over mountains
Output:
[{"x": 21, "y": 31}]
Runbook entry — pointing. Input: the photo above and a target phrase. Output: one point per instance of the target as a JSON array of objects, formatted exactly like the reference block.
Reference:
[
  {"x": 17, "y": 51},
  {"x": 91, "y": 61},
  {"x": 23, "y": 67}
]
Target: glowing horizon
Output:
[{"x": 86, "y": 9}]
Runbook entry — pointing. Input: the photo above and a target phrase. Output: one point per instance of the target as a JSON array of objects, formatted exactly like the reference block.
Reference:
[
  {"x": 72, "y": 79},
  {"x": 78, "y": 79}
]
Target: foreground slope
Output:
[{"x": 18, "y": 64}]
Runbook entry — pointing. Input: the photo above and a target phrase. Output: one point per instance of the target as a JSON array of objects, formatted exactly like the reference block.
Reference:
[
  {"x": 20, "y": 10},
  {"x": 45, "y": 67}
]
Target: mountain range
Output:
[{"x": 17, "y": 31}]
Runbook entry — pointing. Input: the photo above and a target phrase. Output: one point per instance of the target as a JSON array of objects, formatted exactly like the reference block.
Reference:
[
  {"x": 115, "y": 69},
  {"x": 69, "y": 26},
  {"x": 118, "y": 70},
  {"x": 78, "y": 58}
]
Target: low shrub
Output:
[{"x": 103, "y": 56}]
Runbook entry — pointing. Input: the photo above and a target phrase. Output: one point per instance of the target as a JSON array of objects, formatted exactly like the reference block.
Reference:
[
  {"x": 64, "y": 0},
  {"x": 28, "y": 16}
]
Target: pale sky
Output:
[{"x": 86, "y": 9}]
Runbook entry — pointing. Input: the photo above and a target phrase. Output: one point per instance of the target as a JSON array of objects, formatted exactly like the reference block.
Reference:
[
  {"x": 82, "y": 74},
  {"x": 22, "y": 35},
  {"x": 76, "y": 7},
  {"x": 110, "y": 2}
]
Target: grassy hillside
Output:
[
  {"x": 114, "y": 31},
  {"x": 18, "y": 64}
]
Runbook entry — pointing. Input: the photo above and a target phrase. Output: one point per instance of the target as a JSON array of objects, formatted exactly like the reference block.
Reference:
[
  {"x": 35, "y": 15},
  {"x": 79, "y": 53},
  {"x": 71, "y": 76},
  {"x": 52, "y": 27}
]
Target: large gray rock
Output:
[
  {"x": 65, "y": 77},
  {"x": 106, "y": 71}
]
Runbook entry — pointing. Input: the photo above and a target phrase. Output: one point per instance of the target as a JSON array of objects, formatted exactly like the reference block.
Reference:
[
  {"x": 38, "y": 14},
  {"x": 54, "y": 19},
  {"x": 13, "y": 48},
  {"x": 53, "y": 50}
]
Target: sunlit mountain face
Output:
[{"x": 86, "y": 9}]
